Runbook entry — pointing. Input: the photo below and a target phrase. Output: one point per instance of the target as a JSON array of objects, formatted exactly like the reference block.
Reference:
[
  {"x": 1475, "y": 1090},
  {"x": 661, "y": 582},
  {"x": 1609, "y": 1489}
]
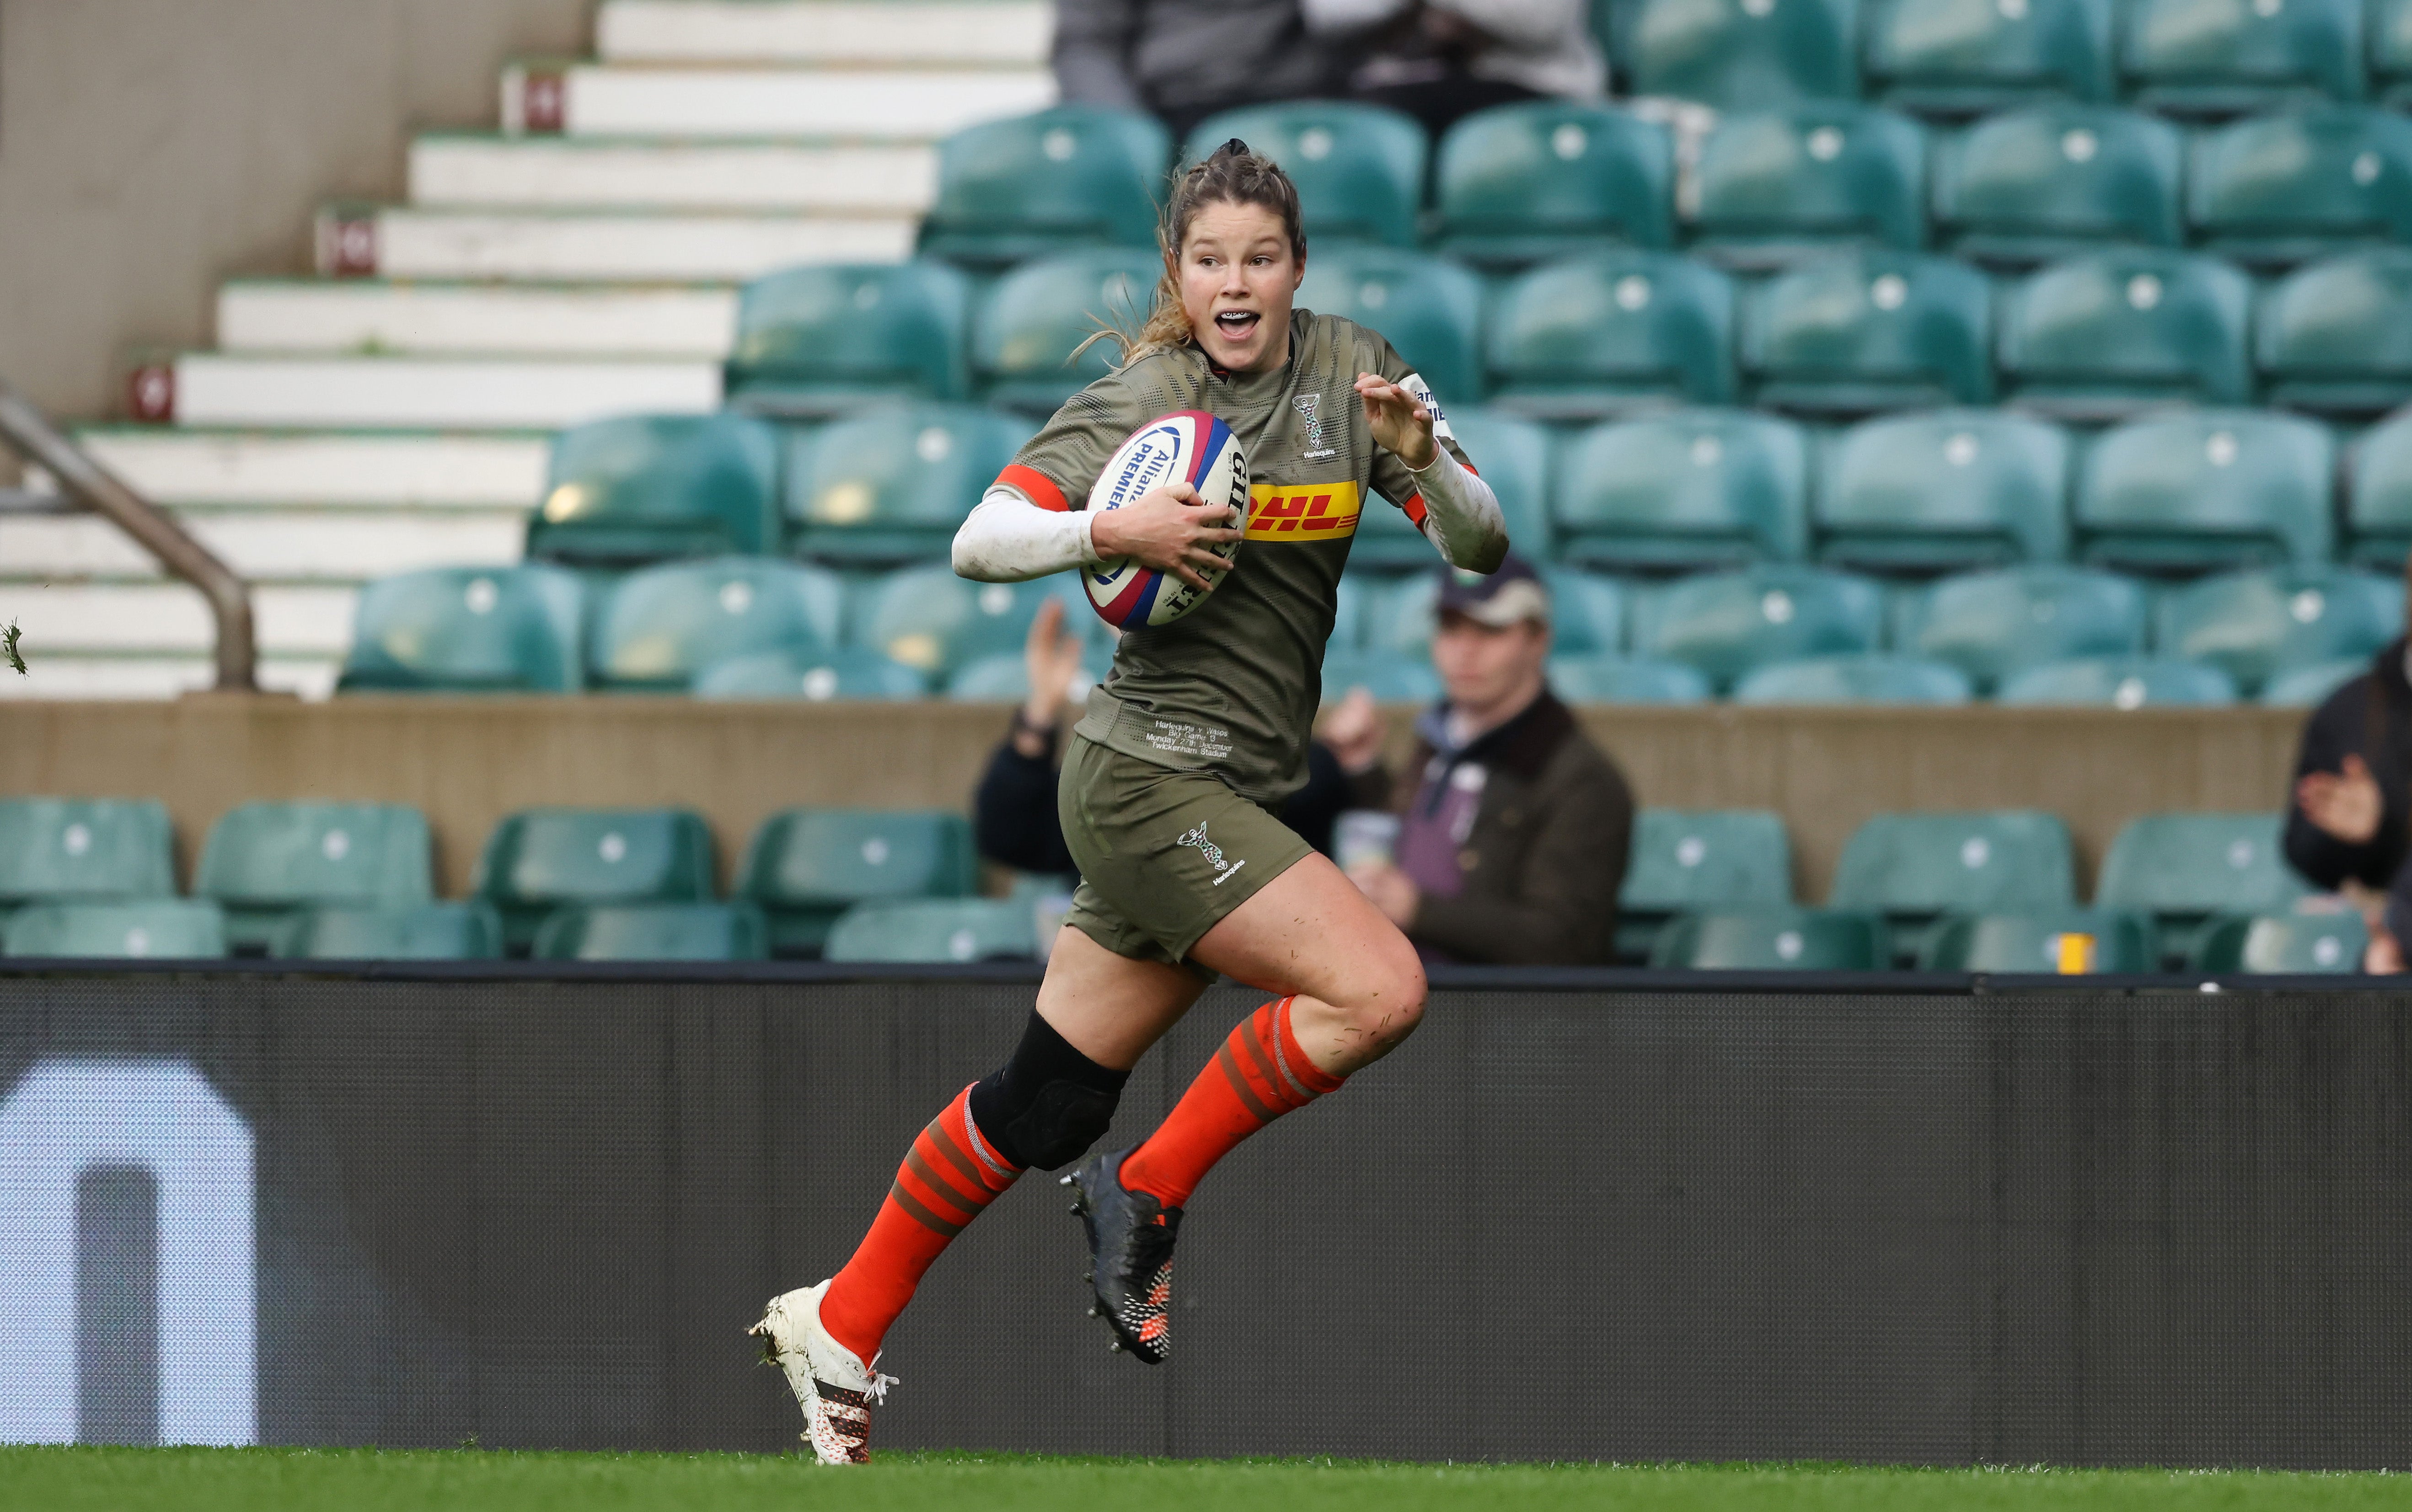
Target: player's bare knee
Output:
[{"x": 1388, "y": 1000}]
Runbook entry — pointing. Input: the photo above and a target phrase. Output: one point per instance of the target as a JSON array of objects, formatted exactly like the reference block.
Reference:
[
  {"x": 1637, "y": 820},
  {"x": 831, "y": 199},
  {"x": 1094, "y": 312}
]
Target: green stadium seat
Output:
[
  {"x": 2055, "y": 181},
  {"x": 2336, "y": 336},
  {"x": 2253, "y": 626},
  {"x": 1027, "y": 326},
  {"x": 814, "y": 674},
  {"x": 656, "y": 629},
  {"x": 1685, "y": 861},
  {"x": 2285, "y": 945},
  {"x": 1349, "y": 610},
  {"x": 2389, "y": 43},
  {"x": 1913, "y": 868},
  {"x": 1961, "y": 57},
  {"x": 2197, "y": 489},
  {"x": 936, "y": 622},
  {"x": 1947, "y": 489},
  {"x": 1360, "y": 168},
  {"x": 1771, "y": 939},
  {"x": 429, "y": 931},
  {"x": 2182, "y": 869},
  {"x": 930, "y": 932},
  {"x": 892, "y": 484},
  {"x": 2214, "y": 57},
  {"x": 1779, "y": 185},
  {"x": 467, "y": 630},
  {"x": 1604, "y": 677},
  {"x": 1875, "y": 330},
  {"x": 85, "y": 849},
  {"x": 1741, "y": 56},
  {"x": 822, "y": 339},
  {"x": 1390, "y": 677},
  {"x": 1587, "y": 612},
  {"x": 1727, "y": 624},
  {"x": 1429, "y": 309},
  {"x": 269, "y": 864},
  {"x": 539, "y": 860},
  {"x": 2121, "y": 682},
  {"x": 1992, "y": 624},
  {"x": 652, "y": 932},
  {"x": 2107, "y": 334},
  {"x": 1073, "y": 176},
  {"x": 172, "y": 928},
  {"x": 2308, "y": 687},
  {"x": 1700, "y": 488},
  {"x": 1003, "y": 677},
  {"x": 1521, "y": 183},
  {"x": 1857, "y": 679},
  {"x": 2031, "y": 943},
  {"x": 2378, "y": 497},
  {"x": 804, "y": 867},
  {"x": 645, "y": 488},
  {"x": 2281, "y": 189},
  {"x": 1592, "y": 336}
]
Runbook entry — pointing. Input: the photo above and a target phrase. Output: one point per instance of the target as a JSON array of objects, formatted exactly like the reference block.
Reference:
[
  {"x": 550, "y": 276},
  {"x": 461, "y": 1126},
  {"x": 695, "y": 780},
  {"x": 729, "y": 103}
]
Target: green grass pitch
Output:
[{"x": 473, "y": 1480}]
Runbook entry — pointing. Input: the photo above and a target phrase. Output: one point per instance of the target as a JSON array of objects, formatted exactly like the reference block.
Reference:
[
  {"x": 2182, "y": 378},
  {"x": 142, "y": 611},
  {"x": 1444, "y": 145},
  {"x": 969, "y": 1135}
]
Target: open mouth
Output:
[{"x": 1235, "y": 325}]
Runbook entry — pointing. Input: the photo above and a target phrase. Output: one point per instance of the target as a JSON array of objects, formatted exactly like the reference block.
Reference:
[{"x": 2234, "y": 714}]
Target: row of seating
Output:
[{"x": 2325, "y": 940}]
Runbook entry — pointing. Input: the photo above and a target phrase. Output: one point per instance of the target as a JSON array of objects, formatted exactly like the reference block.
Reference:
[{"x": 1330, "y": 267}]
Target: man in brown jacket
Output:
[{"x": 1513, "y": 829}]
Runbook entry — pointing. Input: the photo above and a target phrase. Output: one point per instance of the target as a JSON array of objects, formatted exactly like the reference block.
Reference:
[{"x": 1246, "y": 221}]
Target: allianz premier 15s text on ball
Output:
[{"x": 1189, "y": 446}]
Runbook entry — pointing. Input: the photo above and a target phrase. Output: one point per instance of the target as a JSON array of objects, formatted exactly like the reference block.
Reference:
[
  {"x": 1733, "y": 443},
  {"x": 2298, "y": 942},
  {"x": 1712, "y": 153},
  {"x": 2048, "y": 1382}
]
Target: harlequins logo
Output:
[
  {"x": 1306, "y": 406},
  {"x": 1214, "y": 854}
]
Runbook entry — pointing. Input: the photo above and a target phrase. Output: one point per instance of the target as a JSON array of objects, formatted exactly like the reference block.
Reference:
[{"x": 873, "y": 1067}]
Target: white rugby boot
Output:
[{"x": 833, "y": 1387}]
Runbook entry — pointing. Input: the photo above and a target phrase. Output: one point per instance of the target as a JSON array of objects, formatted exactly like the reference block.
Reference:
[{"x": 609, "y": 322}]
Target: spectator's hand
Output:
[
  {"x": 1401, "y": 424},
  {"x": 2344, "y": 804},
  {"x": 2382, "y": 957},
  {"x": 1051, "y": 654},
  {"x": 1168, "y": 529},
  {"x": 1388, "y": 890},
  {"x": 1354, "y": 732}
]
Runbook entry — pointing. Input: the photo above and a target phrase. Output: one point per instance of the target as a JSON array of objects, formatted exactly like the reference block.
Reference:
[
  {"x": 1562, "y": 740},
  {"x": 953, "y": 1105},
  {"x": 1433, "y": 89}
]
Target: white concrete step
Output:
[
  {"x": 591, "y": 172},
  {"x": 356, "y": 316},
  {"x": 825, "y": 31},
  {"x": 592, "y": 99},
  {"x": 169, "y": 618},
  {"x": 590, "y": 246},
  {"x": 372, "y": 471},
  {"x": 285, "y": 546},
  {"x": 78, "y": 675},
  {"x": 416, "y": 392}
]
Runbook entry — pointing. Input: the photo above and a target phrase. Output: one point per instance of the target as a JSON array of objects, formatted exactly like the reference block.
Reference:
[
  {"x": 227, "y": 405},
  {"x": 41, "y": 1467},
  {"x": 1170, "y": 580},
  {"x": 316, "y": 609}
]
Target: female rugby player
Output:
[{"x": 1171, "y": 783}]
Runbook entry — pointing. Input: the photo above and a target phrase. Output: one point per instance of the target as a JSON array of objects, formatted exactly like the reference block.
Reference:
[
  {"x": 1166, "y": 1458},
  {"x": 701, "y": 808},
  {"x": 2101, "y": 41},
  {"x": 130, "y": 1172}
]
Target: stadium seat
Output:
[
  {"x": 2389, "y": 44},
  {"x": 2378, "y": 497},
  {"x": 936, "y": 622},
  {"x": 2216, "y": 57},
  {"x": 2197, "y": 489},
  {"x": 1780, "y": 186},
  {"x": 1518, "y": 184},
  {"x": 1992, "y": 625},
  {"x": 1962, "y": 57},
  {"x": 891, "y": 485},
  {"x": 1395, "y": 615},
  {"x": 1726, "y": 623},
  {"x": 645, "y": 487},
  {"x": 1604, "y": 677},
  {"x": 269, "y": 864},
  {"x": 175, "y": 928},
  {"x": 1868, "y": 331},
  {"x": 1360, "y": 168},
  {"x": 2036, "y": 943},
  {"x": 2104, "y": 335},
  {"x": 1737, "y": 55},
  {"x": 1913, "y": 868},
  {"x": 2182, "y": 869},
  {"x": 431, "y": 931},
  {"x": 2253, "y": 626},
  {"x": 2053, "y": 181},
  {"x": 1033, "y": 184},
  {"x": 1771, "y": 939},
  {"x": 85, "y": 849},
  {"x": 1950, "y": 489},
  {"x": 1003, "y": 678},
  {"x": 2285, "y": 945},
  {"x": 934, "y": 931},
  {"x": 1592, "y": 335},
  {"x": 1429, "y": 309},
  {"x": 1856, "y": 679},
  {"x": 1390, "y": 677},
  {"x": 1587, "y": 612},
  {"x": 804, "y": 867},
  {"x": 539, "y": 860},
  {"x": 2307, "y": 687},
  {"x": 467, "y": 630},
  {"x": 2282, "y": 189},
  {"x": 652, "y": 932},
  {"x": 1028, "y": 325},
  {"x": 1685, "y": 860},
  {"x": 821, "y": 339},
  {"x": 815, "y": 674},
  {"x": 2336, "y": 337},
  {"x": 2121, "y": 682},
  {"x": 657, "y": 628},
  {"x": 1701, "y": 488}
]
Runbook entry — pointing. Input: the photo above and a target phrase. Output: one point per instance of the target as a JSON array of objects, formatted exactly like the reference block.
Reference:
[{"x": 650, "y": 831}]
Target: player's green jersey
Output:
[{"x": 1232, "y": 686}]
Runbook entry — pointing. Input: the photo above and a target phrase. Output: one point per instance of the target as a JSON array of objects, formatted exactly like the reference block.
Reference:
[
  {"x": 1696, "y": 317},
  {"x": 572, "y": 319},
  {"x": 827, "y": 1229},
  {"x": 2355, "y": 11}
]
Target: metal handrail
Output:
[{"x": 34, "y": 438}]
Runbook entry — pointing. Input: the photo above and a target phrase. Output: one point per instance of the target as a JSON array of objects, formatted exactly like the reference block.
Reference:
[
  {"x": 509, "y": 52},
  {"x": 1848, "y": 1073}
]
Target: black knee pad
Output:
[{"x": 1049, "y": 1104}]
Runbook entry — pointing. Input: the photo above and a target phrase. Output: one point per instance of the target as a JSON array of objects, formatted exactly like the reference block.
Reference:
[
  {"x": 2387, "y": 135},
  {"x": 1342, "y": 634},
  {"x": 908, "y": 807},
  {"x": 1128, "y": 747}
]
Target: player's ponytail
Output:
[{"x": 1231, "y": 174}]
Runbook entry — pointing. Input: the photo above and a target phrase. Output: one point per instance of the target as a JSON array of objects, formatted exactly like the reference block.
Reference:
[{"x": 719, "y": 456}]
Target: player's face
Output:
[{"x": 1237, "y": 276}]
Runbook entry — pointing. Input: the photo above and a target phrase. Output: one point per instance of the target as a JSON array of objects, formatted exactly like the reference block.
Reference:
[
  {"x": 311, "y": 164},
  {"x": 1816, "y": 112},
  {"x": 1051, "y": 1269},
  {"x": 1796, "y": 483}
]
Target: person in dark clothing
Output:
[
  {"x": 2351, "y": 820},
  {"x": 1185, "y": 59}
]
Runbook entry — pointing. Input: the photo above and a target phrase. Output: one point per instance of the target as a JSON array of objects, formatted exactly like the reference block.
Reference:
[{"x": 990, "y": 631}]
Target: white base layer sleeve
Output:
[
  {"x": 1006, "y": 538},
  {"x": 1462, "y": 516}
]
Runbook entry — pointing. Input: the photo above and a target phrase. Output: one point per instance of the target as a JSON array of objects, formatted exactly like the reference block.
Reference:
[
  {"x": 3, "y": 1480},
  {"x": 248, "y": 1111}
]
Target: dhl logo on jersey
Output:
[{"x": 1303, "y": 511}]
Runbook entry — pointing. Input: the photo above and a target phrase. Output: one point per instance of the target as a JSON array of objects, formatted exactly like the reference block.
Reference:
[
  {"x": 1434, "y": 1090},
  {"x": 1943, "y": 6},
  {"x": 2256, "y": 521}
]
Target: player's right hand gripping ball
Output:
[{"x": 1187, "y": 446}]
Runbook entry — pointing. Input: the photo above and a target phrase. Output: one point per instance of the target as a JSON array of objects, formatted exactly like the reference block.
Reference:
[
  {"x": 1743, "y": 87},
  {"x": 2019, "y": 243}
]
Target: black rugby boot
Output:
[{"x": 1130, "y": 1254}]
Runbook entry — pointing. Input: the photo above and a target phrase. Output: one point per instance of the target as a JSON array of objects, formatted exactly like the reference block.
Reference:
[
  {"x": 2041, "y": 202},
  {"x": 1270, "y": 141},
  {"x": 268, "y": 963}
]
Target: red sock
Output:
[
  {"x": 1259, "y": 1074},
  {"x": 949, "y": 1175}
]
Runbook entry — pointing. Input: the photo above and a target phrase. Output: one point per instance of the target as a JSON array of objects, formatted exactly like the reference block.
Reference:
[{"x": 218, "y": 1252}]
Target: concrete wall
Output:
[{"x": 151, "y": 148}]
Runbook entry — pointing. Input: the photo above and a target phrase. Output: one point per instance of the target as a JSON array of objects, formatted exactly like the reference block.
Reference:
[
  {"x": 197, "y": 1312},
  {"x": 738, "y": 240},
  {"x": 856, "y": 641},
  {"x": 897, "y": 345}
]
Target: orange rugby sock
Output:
[{"x": 1259, "y": 1074}]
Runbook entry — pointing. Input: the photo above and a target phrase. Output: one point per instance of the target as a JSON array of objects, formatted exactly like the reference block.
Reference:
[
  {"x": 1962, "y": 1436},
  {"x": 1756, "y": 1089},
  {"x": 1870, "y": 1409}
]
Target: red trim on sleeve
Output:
[
  {"x": 1416, "y": 510},
  {"x": 1035, "y": 485}
]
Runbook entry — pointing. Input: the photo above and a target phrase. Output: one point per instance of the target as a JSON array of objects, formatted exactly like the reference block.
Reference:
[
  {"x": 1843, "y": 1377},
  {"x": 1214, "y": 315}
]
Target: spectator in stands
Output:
[
  {"x": 1183, "y": 60},
  {"x": 1442, "y": 60},
  {"x": 1513, "y": 831},
  {"x": 2350, "y": 827}
]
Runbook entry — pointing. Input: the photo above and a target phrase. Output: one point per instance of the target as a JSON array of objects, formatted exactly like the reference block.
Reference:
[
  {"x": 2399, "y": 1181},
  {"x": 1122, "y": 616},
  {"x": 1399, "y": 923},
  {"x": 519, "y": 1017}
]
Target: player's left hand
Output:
[{"x": 1400, "y": 422}]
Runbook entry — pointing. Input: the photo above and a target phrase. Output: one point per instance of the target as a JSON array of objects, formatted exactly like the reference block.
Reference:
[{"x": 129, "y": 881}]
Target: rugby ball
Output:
[{"x": 1187, "y": 446}]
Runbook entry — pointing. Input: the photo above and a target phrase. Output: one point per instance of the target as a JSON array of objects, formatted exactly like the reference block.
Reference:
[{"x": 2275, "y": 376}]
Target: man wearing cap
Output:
[{"x": 1513, "y": 829}]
